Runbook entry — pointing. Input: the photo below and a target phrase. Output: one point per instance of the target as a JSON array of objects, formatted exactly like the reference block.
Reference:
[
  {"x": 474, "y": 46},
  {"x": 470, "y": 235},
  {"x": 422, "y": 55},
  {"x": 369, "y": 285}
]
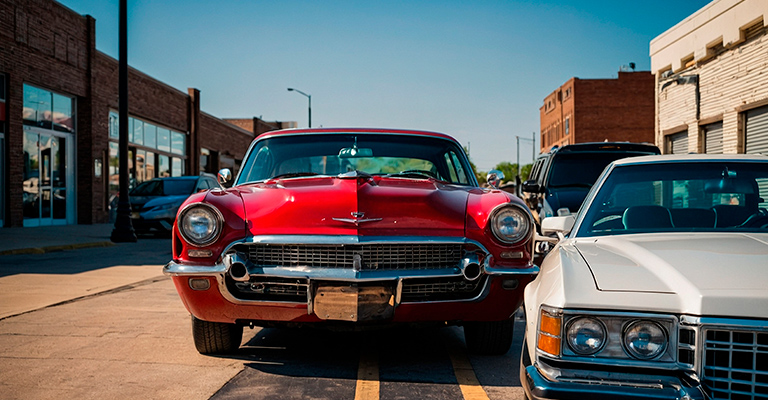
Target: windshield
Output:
[
  {"x": 581, "y": 169},
  {"x": 409, "y": 156},
  {"x": 680, "y": 197},
  {"x": 165, "y": 187}
]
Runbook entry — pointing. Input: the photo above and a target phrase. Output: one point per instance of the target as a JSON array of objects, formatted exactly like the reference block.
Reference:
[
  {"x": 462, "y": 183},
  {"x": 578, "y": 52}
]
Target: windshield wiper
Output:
[
  {"x": 294, "y": 175},
  {"x": 415, "y": 173}
]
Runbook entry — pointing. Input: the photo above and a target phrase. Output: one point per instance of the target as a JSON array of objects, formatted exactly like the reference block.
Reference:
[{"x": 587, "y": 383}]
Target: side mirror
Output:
[
  {"x": 531, "y": 186},
  {"x": 559, "y": 226},
  {"x": 494, "y": 178},
  {"x": 224, "y": 176}
]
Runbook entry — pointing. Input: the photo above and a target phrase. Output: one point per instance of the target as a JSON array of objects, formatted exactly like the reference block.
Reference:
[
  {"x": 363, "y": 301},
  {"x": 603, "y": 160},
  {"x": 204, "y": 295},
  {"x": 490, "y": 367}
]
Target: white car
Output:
[{"x": 658, "y": 288}]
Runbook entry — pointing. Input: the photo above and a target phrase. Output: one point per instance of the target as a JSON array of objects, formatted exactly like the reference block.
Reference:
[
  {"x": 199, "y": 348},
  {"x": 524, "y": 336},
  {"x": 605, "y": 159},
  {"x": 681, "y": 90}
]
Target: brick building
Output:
[
  {"x": 58, "y": 121},
  {"x": 596, "y": 110},
  {"x": 711, "y": 72}
]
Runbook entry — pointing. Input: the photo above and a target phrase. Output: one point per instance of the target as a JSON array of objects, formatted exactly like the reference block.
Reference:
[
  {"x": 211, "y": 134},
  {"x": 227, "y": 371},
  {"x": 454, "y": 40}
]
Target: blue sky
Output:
[{"x": 477, "y": 70}]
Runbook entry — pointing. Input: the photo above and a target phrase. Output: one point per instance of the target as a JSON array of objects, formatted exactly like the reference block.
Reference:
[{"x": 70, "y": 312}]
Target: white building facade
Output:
[{"x": 712, "y": 80}]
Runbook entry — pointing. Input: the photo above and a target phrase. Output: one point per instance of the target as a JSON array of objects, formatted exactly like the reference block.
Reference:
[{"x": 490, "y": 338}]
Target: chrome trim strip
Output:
[{"x": 175, "y": 269}]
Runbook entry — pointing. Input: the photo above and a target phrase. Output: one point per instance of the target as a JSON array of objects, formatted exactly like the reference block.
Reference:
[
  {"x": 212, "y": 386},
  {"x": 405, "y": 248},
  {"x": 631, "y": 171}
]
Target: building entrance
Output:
[{"x": 48, "y": 178}]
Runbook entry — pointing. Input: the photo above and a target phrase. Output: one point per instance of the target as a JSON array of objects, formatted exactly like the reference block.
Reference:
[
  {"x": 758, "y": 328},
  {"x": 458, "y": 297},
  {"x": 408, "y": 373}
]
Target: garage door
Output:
[
  {"x": 713, "y": 135},
  {"x": 678, "y": 143},
  {"x": 756, "y": 128}
]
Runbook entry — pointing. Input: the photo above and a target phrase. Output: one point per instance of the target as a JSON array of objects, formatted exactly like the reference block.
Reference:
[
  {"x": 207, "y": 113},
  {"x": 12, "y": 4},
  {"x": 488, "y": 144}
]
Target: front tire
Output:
[
  {"x": 491, "y": 338},
  {"x": 216, "y": 337}
]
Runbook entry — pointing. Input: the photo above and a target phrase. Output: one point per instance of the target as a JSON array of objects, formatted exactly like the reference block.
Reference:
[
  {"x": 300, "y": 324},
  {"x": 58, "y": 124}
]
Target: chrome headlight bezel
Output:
[
  {"x": 500, "y": 223},
  {"x": 572, "y": 334},
  {"x": 613, "y": 351},
  {"x": 631, "y": 331},
  {"x": 215, "y": 216}
]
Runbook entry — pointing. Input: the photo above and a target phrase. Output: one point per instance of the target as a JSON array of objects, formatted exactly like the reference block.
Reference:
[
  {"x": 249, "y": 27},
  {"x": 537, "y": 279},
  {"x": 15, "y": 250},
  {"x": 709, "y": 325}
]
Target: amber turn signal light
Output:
[{"x": 549, "y": 337}]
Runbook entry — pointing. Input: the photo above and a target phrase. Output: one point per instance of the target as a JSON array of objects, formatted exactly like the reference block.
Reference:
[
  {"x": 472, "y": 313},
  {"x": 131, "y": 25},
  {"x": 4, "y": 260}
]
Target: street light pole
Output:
[
  {"x": 123, "y": 231},
  {"x": 309, "y": 97}
]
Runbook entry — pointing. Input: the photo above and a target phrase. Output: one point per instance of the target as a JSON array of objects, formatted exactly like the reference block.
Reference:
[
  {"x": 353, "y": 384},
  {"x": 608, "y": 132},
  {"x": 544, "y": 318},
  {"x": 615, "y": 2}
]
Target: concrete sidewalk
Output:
[
  {"x": 46, "y": 266},
  {"x": 53, "y": 238}
]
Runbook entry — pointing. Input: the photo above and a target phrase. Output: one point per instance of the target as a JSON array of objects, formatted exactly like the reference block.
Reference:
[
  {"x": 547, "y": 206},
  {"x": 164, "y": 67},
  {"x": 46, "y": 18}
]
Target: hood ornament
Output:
[{"x": 358, "y": 218}]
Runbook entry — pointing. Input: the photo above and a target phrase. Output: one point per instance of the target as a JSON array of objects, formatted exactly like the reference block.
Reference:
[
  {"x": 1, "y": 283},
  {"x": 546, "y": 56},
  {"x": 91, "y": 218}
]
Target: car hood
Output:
[
  {"x": 709, "y": 274},
  {"x": 355, "y": 206},
  {"x": 163, "y": 200}
]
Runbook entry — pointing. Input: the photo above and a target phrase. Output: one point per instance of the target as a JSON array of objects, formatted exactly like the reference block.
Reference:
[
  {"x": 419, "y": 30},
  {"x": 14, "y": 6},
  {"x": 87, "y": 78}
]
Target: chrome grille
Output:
[
  {"x": 433, "y": 289},
  {"x": 358, "y": 256},
  {"x": 735, "y": 364}
]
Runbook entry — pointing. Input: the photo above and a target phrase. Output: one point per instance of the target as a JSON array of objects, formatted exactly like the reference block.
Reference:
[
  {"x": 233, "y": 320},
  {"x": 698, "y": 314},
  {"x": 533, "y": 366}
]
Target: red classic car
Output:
[{"x": 346, "y": 228}]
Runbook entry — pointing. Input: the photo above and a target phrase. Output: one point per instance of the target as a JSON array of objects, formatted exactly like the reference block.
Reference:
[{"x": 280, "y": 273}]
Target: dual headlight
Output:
[
  {"x": 510, "y": 224},
  {"x": 638, "y": 337},
  {"x": 200, "y": 224}
]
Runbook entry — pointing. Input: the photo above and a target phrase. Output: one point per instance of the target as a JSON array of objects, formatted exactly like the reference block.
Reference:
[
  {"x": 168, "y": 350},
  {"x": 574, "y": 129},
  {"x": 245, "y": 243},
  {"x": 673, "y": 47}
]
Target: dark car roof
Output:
[{"x": 608, "y": 147}]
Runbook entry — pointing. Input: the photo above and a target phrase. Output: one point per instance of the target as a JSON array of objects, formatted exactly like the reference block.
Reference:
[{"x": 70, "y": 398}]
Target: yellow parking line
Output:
[
  {"x": 368, "y": 376},
  {"x": 465, "y": 375}
]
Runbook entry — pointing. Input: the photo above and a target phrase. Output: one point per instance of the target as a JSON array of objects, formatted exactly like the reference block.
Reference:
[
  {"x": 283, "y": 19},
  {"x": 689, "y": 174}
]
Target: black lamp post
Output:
[
  {"x": 309, "y": 97},
  {"x": 123, "y": 231}
]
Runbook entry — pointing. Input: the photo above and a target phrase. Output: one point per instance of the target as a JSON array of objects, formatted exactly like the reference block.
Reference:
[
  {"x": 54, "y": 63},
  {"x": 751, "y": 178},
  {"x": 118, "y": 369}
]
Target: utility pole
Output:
[{"x": 123, "y": 231}]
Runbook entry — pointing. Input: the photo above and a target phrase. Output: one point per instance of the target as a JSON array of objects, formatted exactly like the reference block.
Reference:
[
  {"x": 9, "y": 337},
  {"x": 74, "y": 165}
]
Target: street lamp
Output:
[
  {"x": 533, "y": 154},
  {"x": 309, "y": 97}
]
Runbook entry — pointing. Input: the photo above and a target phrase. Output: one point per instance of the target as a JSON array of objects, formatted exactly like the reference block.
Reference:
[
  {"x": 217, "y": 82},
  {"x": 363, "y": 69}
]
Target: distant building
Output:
[
  {"x": 598, "y": 110},
  {"x": 59, "y": 121},
  {"x": 711, "y": 74}
]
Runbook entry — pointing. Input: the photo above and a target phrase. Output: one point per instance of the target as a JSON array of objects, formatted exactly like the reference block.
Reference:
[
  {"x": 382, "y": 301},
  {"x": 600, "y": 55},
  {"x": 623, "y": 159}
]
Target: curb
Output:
[{"x": 49, "y": 249}]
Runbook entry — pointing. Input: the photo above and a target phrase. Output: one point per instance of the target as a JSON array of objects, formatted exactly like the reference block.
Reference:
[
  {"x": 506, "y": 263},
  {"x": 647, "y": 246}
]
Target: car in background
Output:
[
  {"x": 352, "y": 229},
  {"x": 560, "y": 179},
  {"x": 154, "y": 203},
  {"x": 657, "y": 289}
]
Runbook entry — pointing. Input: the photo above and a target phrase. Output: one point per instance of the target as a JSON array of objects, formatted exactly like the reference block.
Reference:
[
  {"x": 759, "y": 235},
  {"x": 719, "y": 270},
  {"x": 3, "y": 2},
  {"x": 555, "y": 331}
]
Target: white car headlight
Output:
[
  {"x": 200, "y": 224},
  {"x": 645, "y": 340},
  {"x": 510, "y": 224},
  {"x": 586, "y": 336}
]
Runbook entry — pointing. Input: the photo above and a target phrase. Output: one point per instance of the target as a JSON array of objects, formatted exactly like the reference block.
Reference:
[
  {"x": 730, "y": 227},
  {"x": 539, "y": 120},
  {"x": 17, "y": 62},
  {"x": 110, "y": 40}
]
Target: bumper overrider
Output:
[
  {"x": 545, "y": 381},
  {"x": 302, "y": 279}
]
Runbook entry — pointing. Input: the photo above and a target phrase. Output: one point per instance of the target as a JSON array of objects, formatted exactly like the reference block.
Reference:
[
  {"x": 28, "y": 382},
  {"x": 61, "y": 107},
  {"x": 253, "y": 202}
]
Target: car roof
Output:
[
  {"x": 310, "y": 131},
  {"x": 667, "y": 158},
  {"x": 607, "y": 147}
]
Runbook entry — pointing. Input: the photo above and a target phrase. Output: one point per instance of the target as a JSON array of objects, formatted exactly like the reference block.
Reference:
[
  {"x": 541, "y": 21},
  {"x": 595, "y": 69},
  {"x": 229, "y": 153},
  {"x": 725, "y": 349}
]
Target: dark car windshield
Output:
[
  {"x": 412, "y": 156},
  {"x": 165, "y": 187},
  {"x": 680, "y": 197},
  {"x": 580, "y": 169}
]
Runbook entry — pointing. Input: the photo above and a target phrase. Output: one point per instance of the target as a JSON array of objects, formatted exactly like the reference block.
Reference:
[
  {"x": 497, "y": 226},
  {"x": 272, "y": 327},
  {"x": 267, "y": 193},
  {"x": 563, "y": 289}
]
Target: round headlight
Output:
[
  {"x": 200, "y": 224},
  {"x": 586, "y": 336},
  {"x": 510, "y": 224},
  {"x": 645, "y": 340}
]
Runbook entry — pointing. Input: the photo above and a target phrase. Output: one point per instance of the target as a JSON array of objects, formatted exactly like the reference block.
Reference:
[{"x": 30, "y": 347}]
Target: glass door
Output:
[{"x": 47, "y": 170}]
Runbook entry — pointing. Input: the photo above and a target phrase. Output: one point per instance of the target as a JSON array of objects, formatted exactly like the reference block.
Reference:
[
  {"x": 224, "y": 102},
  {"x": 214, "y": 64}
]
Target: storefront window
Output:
[
  {"x": 178, "y": 167},
  {"x": 62, "y": 114},
  {"x": 150, "y": 135},
  {"x": 164, "y": 166},
  {"x": 177, "y": 144},
  {"x": 163, "y": 139},
  {"x": 38, "y": 107},
  {"x": 138, "y": 131}
]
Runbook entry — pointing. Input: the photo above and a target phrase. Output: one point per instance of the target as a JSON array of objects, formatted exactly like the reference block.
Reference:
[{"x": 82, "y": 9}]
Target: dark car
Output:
[
  {"x": 154, "y": 203},
  {"x": 560, "y": 179}
]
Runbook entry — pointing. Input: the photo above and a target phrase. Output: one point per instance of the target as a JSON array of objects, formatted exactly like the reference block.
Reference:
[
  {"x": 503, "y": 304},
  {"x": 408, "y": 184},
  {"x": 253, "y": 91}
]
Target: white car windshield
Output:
[
  {"x": 680, "y": 197},
  {"x": 420, "y": 157}
]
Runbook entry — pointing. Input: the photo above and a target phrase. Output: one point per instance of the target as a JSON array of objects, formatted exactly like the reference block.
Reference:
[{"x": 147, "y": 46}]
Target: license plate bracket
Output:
[{"x": 353, "y": 303}]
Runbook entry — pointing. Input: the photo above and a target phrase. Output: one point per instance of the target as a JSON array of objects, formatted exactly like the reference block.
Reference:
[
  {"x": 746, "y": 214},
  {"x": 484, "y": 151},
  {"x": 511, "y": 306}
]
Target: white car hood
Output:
[{"x": 709, "y": 274}]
